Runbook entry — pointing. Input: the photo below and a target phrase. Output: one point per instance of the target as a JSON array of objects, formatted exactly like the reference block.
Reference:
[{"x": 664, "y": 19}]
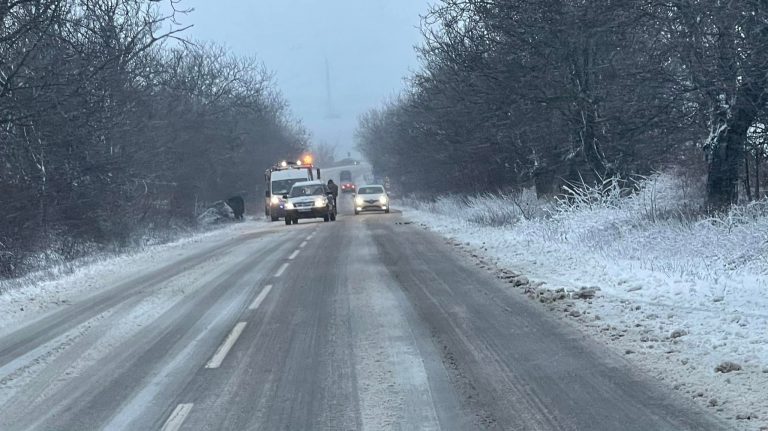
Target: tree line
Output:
[
  {"x": 522, "y": 93},
  {"x": 111, "y": 125}
]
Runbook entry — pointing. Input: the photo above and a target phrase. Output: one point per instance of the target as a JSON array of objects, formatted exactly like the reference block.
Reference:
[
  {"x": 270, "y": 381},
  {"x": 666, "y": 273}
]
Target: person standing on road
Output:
[{"x": 334, "y": 189}]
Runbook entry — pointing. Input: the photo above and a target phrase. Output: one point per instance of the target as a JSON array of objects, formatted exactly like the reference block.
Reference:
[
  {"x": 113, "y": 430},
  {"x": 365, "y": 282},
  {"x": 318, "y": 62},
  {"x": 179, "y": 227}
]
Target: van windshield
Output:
[{"x": 281, "y": 187}]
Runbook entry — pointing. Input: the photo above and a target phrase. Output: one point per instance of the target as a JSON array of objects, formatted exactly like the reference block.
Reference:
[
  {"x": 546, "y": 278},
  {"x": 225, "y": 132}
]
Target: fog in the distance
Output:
[{"x": 366, "y": 44}]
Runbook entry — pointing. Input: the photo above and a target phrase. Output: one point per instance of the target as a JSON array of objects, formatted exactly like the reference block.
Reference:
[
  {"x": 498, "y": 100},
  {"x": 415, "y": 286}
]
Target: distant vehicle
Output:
[
  {"x": 309, "y": 199},
  {"x": 348, "y": 187},
  {"x": 347, "y": 162},
  {"x": 345, "y": 177},
  {"x": 280, "y": 178},
  {"x": 371, "y": 198}
]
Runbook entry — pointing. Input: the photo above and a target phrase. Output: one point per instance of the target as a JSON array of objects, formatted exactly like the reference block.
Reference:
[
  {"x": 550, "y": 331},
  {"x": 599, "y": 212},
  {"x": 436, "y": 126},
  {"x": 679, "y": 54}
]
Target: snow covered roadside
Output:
[
  {"x": 678, "y": 296},
  {"x": 30, "y": 297}
]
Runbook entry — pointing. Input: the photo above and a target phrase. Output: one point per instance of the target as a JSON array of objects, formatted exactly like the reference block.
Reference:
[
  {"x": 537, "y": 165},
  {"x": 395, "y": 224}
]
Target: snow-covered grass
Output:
[
  {"x": 660, "y": 227},
  {"x": 39, "y": 292},
  {"x": 661, "y": 265},
  {"x": 54, "y": 263}
]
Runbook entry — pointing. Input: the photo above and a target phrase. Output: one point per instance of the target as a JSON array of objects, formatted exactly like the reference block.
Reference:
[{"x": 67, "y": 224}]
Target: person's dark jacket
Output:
[{"x": 334, "y": 189}]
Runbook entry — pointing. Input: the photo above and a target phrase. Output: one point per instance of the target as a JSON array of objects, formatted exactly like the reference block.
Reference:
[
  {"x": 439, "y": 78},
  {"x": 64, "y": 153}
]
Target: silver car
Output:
[
  {"x": 309, "y": 199},
  {"x": 371, "y": 198}
]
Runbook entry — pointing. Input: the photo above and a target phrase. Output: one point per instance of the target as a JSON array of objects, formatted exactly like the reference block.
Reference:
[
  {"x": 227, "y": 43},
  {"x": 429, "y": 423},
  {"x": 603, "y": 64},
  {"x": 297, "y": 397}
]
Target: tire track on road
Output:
[
  {"x": 110, "y": 381},
  {"x": 25, "y": 339},
  {"x": 515, "y": 367}
]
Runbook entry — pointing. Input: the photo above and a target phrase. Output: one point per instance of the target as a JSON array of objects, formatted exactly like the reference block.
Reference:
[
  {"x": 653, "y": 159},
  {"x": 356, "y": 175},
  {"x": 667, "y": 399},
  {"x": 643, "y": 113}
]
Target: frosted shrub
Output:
[
  {"x": 657, "y": 222},
  {"x": 604, "y": 194},
  {"x": 503, "y": 209},
  {"x": 660, "y": 226}
]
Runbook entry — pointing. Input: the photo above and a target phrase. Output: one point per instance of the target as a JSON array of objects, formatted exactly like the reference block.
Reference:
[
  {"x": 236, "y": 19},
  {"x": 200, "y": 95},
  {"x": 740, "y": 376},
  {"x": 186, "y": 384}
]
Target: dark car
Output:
[
  {"x": 309, "y": 199},
  {"x": 345, "y": 177},
  {"x": 348, "y": 188}
]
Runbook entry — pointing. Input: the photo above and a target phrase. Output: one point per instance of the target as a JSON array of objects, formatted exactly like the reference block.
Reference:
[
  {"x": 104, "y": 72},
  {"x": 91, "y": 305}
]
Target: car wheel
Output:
[
  {"x": 357, "y": 212},
  {"x": 386, "y": 211},
  {"x": 273, "y": 218},
  {"x": 287, "y": 221},
  {"x": 326, "y": 217}
]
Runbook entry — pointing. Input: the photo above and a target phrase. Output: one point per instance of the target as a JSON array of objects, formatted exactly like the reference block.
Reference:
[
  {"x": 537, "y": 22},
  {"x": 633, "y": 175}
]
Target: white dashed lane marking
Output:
[
  {"x": 220, "y": 354},
  {"x": 260, "y": 298},
  {"x": 293, "y": 255},
  {"x": 281, "y": 270},
  {"x": 177, "y": 417}
]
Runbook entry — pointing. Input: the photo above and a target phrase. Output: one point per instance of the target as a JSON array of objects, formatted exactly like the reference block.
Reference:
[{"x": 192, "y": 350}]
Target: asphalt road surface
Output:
[{"x": 366, "y": 323}]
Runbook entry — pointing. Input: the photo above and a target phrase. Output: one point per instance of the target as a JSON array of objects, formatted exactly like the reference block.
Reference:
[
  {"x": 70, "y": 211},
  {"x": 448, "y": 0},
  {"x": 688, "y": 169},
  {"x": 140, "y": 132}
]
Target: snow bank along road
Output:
[{"x": 366, "y": 323}]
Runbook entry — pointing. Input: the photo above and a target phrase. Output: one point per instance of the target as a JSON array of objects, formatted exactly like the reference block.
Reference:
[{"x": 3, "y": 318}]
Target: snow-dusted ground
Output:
[
  {"x": 678, "y": 295},
  {"x": 30, "y": 297}
]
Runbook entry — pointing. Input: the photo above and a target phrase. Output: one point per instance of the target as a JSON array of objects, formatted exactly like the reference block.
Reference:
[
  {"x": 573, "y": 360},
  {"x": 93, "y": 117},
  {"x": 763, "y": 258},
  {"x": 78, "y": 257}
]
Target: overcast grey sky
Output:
[{"x": 368, "y": 45}]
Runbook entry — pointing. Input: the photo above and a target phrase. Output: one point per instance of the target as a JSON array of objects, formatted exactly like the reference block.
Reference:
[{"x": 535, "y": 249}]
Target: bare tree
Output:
[
  {"x": 106, "y": 132},
  {"x": 515, "y": 93}
]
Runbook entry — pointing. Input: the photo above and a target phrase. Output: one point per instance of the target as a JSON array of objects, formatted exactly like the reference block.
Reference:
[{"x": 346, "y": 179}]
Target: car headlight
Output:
[
  {"x": 359, "y": 200},
  {"x": 289, "y": 205},
  {"x": 383, "y": 199},
  {"x": 321, "y": 202},
  {"x": 274, "y": 200}
]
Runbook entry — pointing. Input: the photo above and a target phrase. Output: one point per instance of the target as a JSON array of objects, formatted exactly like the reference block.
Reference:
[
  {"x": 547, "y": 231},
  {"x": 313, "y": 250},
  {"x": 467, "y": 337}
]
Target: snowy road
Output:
[{"x": 365, "y": 323}]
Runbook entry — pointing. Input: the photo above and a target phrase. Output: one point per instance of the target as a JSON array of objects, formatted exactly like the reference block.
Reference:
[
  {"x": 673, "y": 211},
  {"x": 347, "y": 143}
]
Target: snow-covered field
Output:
[{"x": 677, "y": 293}]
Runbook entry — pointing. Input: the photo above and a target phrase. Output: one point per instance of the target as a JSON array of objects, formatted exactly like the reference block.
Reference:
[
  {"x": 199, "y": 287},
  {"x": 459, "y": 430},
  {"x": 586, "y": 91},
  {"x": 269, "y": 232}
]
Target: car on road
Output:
[
  {"x": 279, "y": 179},
  {"x": 371, "y": 198},
  {"x": 348, "y": 187},
  {"x": 345, "y": 177},
  {"x": 309, "y": 199}
]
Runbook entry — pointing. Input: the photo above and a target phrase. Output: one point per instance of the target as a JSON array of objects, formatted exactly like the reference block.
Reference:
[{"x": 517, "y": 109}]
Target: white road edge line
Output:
[
  {"x": 260, "y": 298},
  {"x": 303, "y": 244},
  {"x": 220, "y": 354},
  {"x": 281, "y": 270},
  {"x": 177, "y": 417},
  {"x": 293, "y": 255}
]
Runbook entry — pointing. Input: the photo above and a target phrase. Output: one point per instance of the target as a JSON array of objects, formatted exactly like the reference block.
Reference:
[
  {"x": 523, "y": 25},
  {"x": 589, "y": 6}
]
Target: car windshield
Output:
[
  {"x": 369, "y": 190},
  {"x": 281, "y": 187},
  {"x": 312, "y": 190}
]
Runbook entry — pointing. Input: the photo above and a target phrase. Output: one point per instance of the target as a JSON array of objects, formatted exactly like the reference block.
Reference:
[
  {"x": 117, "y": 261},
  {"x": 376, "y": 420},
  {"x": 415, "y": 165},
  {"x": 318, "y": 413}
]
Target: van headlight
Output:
[
  {"x": 359, "y": 200},
  {"x": 321, "y": 202},
  {"x": 289, "y": 205},
  {"x": 274, "y": 200},
  {"x": 383, "y": 199}
]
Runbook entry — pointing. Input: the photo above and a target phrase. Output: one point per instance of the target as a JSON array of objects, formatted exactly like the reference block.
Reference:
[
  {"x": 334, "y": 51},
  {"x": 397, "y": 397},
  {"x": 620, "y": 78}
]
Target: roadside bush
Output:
[{"x": 652, "y": 221}]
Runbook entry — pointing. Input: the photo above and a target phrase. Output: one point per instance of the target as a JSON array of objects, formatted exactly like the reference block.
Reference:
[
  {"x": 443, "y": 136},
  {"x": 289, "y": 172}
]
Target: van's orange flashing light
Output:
[{"x": 307, "y": 159}]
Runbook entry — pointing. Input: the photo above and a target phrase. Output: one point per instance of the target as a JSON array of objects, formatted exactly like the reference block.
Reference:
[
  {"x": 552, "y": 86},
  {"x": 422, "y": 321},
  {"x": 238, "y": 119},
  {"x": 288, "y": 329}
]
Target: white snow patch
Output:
[{"x": 26, "y": 299}]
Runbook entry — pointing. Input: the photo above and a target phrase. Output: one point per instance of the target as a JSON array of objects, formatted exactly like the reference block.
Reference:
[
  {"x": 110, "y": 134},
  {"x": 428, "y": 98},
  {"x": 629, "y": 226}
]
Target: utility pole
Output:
[{"x": 330, "y": 112}]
